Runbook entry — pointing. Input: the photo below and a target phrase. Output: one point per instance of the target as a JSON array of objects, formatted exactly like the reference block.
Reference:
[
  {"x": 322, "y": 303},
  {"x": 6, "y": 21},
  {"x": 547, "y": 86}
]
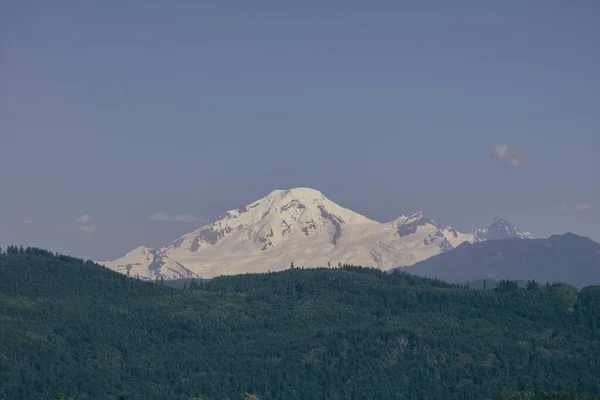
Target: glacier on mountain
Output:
[{"x": 301, "y": 226}]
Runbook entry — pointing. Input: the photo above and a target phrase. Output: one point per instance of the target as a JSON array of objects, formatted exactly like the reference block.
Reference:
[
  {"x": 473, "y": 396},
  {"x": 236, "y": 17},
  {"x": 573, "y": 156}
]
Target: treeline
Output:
[
  {"x": 503, "y": 396},
  {"x": 245, "y": 396},
  {"x": 545, "y": 396},
  {"x": 506, "y": 285},
  {"x": 35, "y": 251},
  {"x": 341, "y": 333}
]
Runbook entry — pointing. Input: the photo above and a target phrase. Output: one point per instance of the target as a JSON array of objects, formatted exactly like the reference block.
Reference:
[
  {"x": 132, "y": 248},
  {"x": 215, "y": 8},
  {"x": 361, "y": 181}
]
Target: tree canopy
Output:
[{"x": 72, "y": 326}]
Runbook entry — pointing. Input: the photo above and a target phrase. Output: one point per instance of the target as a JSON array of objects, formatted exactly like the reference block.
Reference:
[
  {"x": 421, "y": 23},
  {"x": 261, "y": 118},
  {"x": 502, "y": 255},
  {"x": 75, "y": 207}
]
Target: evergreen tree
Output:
[
  {"x": 532, "y": 285},
  {"x": 314, "y": 333}
]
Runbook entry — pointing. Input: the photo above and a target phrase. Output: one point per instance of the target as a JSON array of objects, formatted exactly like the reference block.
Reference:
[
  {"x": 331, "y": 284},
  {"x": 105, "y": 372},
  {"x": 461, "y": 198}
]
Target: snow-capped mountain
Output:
[
  {"x": 146, "y": 263},
  {"x": 301, "y": 226},
  {"x": 500, "y": 229}
]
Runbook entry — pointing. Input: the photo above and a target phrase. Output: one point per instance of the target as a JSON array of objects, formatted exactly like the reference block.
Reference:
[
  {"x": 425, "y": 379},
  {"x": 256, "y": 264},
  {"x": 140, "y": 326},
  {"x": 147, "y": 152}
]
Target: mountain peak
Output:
[
  {"x": 305, "y": 192},
  {"x": 500, "y": 229},
  {"x": 299, "y": 224},
  {"x": 272, "y": 221},
  {"x": 303, "y": 195},
  {"x": 417, "y": 215},
  {"x": 409, "y": 225},
  {"x": 500, "y": 221},
  {"x": 502, "y": 225},
  {"x": 142, "y": 251}
]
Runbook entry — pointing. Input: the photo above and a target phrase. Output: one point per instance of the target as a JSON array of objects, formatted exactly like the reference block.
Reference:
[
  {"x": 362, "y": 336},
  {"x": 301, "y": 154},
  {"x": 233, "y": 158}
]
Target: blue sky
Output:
[{"x": 119, "y": 110}]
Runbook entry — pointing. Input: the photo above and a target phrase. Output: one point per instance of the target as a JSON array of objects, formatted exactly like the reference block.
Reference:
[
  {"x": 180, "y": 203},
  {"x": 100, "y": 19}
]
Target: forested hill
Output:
[{"x": 73, "y": 326}]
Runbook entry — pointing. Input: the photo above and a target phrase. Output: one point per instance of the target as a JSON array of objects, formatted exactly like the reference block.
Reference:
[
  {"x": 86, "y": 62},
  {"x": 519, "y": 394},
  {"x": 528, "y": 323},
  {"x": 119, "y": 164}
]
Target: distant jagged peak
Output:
[
  {"x": 418, "y": 215},
  {"x": 408, "y": 225},
  {"x": 501, "y": 223},
  {"x": 500, "y": 229},
  {"x": 415, "y": 216}
]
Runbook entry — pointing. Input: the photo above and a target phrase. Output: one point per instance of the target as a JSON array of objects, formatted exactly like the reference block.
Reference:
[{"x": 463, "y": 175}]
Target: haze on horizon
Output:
[{"x": 124, "y": 124}]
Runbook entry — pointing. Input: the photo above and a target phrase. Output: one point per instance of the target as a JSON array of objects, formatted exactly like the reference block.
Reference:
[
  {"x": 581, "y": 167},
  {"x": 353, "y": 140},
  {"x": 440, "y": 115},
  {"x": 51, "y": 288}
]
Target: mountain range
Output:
[
  {"x": 567, "y": 258},
  {"x": 303, "y": 227}
]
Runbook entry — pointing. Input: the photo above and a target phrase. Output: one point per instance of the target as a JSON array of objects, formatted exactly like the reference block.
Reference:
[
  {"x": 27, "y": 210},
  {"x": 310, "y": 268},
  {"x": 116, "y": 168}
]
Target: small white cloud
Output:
[
  {"x": 88, "y": 228},
  {"x": 511, "y": 156},
  {"x": 163, "y": 216},
  {"x": 576, "y": 207},
  {"x": 500, "y": 150},
  {"x": 28, "y": 221},
  {"x": 84, "y": 218},
  {"x": 583, "y": 207},
  {"x": 160, "y": 216}
]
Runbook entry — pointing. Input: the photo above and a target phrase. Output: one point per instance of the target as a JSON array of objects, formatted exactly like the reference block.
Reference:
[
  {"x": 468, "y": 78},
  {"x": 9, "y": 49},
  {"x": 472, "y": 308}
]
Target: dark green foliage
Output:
[
  {"x": 545, "y": 396},
  {"x": 489, "y": 284},
  {"x": 71, "y": 325},
  {"x": 507, "y": 286}
]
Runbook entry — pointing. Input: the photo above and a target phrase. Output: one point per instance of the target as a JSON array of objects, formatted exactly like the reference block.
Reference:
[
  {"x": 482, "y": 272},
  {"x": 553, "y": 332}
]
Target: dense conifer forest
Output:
[{"x": 70, "y": 326}]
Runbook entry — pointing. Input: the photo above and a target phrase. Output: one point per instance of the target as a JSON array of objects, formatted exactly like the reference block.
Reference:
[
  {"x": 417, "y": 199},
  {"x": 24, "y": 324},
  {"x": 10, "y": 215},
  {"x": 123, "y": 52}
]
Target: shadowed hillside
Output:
[
  {"x": 564, "y": 258},
  {"x": 342, "y": 333}
]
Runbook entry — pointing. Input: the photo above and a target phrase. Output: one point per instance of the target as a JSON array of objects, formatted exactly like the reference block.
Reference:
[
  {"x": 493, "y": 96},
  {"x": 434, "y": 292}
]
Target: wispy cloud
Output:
[
  {"x": 83, "y": 223},
  {"x": 165, "y": 217},
  {"x": 576, "y": 207},
  {"x": 510, "y": 155},
  {"x": 28, "y": 221},
  {"x": 88, "y": 228},
  {"x": 84, "y": 218}
]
